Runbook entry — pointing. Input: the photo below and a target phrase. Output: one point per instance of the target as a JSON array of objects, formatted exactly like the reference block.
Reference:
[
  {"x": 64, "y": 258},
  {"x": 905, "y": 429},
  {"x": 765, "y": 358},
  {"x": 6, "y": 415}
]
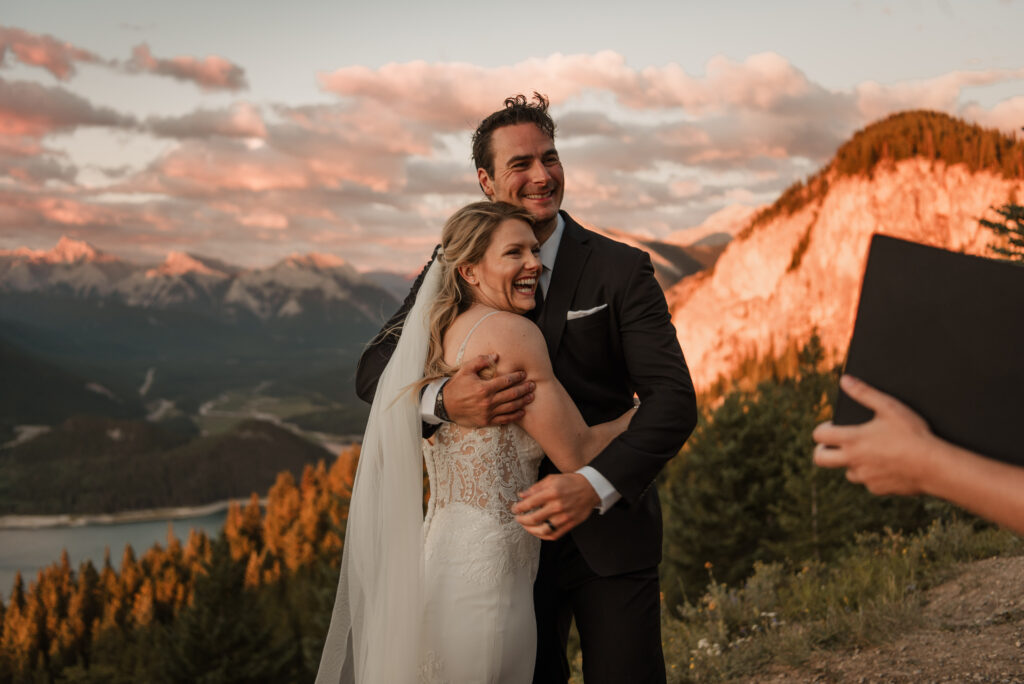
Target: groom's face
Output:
[{"x": 527, "y": 173}]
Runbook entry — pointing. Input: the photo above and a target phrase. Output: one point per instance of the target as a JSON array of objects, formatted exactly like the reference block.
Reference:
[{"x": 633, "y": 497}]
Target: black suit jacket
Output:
[{"x": 628, "y": 347}]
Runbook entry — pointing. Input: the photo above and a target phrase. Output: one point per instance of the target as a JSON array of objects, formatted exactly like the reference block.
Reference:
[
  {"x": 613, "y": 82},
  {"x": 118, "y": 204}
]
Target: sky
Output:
[{"x": 249, "y": 131}]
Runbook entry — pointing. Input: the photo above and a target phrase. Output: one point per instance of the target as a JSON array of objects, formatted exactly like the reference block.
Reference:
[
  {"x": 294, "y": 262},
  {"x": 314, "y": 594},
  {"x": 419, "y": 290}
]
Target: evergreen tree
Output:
[
  {"x": 224, "y": 636},
  {"x": 1010, "y": 231},
  {"x": 744, "y": 489}
]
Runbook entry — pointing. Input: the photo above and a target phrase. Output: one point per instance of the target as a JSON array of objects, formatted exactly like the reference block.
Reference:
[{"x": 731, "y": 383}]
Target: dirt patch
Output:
[{"x": 972, "y": 630}]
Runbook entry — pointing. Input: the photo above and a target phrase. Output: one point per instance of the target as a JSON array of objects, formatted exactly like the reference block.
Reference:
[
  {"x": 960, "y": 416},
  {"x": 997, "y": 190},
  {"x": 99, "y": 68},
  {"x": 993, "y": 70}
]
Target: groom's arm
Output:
[
  {"x": 379, "y": 350},
  {"x": 667, "y": 415},
  {"x": 660, "y": 378},
  {"x": 469, "y": 400}
]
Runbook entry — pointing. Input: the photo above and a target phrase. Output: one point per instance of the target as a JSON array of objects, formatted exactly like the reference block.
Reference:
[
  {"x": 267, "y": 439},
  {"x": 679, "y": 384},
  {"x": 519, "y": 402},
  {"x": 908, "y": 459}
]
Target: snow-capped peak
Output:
[
  {"x": 25, "y": 252},
  {"x": 180, "y": 263},
  {"x": 70, "y": 251},
  {"x": 316, "y": 260}
]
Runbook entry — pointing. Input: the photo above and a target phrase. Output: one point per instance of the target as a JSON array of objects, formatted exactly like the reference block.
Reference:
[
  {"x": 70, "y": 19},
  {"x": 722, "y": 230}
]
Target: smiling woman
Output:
[
  {"x": 490, "y": 243},
  {"x": 506, "y": 277}
]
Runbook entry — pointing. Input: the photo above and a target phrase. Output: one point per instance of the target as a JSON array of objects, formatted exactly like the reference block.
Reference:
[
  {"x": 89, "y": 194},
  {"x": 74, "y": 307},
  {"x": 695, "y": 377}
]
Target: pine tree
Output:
[
  {"x": 1010, "y": 232},
  {"x": 744, "y": 489},
  {"x": 224, "y": 636}
]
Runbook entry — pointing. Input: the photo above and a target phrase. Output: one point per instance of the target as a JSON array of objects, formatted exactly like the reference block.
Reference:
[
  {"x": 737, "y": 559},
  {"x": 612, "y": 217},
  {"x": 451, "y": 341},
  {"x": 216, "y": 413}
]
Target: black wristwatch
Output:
[{"x": 439, "y": 411}]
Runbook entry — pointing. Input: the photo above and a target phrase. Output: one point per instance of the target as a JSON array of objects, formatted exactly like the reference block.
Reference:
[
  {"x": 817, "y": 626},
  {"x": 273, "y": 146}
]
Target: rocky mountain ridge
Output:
[
  {"x": 77, "y": 269},
  {"x": 797, "y": 265},
  {"x": 798, "y": 272}
]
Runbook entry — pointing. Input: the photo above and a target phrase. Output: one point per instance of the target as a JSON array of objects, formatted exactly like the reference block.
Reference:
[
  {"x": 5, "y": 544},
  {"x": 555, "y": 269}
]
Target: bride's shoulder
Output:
[
  {"x": 504, "y": 332},
  {"x": 505, "y": 323}
]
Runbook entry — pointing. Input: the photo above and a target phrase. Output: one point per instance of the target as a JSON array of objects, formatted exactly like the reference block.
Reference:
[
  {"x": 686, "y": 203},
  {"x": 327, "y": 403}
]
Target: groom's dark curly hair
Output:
[{"x": 517, "y": 110}]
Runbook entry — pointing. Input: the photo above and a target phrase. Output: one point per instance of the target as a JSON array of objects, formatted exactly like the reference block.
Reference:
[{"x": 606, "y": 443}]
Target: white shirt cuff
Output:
[
  {"x": 427, "y": 400},
  {"x": 605, "y": 491}
]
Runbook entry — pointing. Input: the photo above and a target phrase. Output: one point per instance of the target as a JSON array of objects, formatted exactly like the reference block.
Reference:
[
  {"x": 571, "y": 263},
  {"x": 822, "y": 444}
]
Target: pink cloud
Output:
[
  {"x": 875, "y": 100},
  {"x": 209, "y": 73},
  {"x": 1008, "y": 115},
  {"x": 373, "y": 175},
  {"x": 33, "y": 110},
  {"x": 241, "y": 120},
  {"x": 44, "y": 51},
  {"x": 760, "y": 82},
  {"x": 61, "y": 211},
  {"x": 457, "y": 94},
  {"x": 366, "y": 145},
  {"x": 255, "y": 217},
  {"x": 206, "y": 168}
]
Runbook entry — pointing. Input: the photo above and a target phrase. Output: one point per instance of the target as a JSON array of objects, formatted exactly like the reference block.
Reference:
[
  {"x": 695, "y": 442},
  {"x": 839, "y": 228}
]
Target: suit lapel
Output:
[{"x": 565, "y": 276}]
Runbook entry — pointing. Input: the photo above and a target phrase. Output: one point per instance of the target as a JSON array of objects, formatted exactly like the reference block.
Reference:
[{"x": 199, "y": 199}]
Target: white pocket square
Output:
[{"x": 573, "y": 315}]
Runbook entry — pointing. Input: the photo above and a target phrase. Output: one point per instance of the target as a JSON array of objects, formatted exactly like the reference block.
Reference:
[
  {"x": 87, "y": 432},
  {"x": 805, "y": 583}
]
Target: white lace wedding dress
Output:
[{"x": 479, "y": 563}]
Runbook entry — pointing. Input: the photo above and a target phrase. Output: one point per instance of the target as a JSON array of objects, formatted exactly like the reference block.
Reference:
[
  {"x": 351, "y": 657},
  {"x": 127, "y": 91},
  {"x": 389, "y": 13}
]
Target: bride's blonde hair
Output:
[{"x": 464, "y": 240}]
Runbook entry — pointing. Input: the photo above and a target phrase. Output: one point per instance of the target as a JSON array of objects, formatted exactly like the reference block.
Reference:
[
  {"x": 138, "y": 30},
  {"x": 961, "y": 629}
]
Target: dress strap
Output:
[{"x": 462, "y": 348}]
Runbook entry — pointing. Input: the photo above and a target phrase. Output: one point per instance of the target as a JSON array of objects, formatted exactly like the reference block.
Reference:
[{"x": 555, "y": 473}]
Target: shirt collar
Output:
[{"x": 549, "y": 250}]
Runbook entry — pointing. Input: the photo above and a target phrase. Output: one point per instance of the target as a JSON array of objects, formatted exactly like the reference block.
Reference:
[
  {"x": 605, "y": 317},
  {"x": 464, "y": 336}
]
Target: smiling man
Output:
[{"x": 610, "y": 338}]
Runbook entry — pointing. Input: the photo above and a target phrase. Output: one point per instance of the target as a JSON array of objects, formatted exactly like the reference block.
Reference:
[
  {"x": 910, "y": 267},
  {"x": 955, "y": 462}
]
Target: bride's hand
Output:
[
  {"x": 555, "y": 505},
  {"x": 472, "y": 401}
]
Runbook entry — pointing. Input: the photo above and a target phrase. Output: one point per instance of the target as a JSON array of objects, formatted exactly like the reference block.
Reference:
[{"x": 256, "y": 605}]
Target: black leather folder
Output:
[{"x": 944, "y": 333}]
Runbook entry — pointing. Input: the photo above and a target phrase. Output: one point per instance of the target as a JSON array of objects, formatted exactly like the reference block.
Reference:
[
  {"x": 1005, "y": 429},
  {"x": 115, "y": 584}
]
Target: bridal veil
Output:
[{"x": 375, "y": 628}]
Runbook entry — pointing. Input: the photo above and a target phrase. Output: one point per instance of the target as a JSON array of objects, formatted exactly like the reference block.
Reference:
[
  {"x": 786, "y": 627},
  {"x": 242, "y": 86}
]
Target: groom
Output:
[{"x": 610, "y": 336}]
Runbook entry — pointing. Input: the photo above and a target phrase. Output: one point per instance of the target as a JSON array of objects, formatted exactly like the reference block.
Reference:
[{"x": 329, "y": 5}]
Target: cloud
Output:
[
  {"x": 55, "y": 211},
  {"x": 32, "y": 172},
  {"x": 59, "y": 58},
  {"x": 209, "y": 73},
  {"x": 33, "y": 110},
  {"x": 372, "y": 175},
  {"x": 942, "y": 92},
  {"x": 1007, "y": 115},
  {"x": 205, "y": 168},
  {"x": 44, "y": 51},
  {"x": 241, "y": 120},
  {"x": 459, "y": 94}
]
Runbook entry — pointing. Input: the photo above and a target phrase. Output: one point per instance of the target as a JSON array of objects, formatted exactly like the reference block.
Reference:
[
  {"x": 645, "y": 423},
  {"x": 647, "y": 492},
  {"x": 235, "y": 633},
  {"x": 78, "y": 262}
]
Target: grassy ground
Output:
[{"x": 781, "y": 617}]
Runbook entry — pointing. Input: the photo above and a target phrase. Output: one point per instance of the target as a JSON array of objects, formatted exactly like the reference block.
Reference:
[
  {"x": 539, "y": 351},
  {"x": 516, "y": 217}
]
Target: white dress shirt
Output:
[{"x": 548, "y": 252}]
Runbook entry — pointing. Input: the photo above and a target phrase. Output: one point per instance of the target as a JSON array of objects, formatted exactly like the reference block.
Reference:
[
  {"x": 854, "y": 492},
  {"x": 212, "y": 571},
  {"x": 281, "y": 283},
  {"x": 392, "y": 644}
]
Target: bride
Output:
[{"x": 449, "y": 597}]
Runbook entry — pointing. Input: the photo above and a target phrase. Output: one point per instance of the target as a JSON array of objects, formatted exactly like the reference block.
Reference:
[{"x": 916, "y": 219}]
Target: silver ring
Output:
[{"x": 551, "y": 526}]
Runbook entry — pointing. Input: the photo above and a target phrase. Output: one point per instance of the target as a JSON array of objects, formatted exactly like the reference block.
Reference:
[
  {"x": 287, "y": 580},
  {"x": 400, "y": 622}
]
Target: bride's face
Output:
[{"x": 506, "y": 277}]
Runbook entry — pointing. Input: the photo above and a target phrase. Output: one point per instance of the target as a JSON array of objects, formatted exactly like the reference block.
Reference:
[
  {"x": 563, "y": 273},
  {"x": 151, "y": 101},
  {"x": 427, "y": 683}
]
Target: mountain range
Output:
[
  {"x": 113, "y": 334},
  {"x": 288, "y": 289},
  {"x": 191, "y": 327}
]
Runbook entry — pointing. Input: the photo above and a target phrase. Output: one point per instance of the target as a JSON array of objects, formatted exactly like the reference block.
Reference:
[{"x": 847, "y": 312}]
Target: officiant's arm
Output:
[
  {"x": 896, "y": 453},
  {"x": 661, "y": 380}
]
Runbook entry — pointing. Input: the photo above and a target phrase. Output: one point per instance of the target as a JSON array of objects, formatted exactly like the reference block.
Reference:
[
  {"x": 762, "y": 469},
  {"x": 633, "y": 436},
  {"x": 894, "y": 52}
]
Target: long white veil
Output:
[{"x": 374, "y": 635}]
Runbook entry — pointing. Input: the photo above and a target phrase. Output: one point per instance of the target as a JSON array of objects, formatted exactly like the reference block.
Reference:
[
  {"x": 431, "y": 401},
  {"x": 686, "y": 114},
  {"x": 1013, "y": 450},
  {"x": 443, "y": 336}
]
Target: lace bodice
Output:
[
  {"x": 484, "y": 468},
  {"x": 475, "y": 479}
]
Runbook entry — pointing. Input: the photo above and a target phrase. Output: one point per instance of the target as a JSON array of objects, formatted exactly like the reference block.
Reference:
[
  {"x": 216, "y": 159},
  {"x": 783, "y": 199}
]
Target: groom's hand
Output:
[
  {"x": 555, "y": 505},
  {"x": 474, "y": 401}
]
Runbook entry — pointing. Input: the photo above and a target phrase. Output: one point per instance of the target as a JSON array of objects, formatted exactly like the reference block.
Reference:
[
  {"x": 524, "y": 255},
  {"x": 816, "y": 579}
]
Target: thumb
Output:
[{"x": 867, "y": 395}]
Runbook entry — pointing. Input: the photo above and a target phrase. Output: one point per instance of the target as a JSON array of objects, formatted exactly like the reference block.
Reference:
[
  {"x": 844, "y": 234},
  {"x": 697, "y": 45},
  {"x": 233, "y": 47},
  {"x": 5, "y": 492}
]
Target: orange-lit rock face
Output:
[{"x": 802, "y": 271}]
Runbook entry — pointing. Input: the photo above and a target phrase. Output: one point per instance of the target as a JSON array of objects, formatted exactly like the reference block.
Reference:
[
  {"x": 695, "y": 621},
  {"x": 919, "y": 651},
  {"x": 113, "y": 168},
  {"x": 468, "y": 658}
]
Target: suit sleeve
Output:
[
  {"x": 660, "y": 378},
  {"x": 379, "y": 350}
]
